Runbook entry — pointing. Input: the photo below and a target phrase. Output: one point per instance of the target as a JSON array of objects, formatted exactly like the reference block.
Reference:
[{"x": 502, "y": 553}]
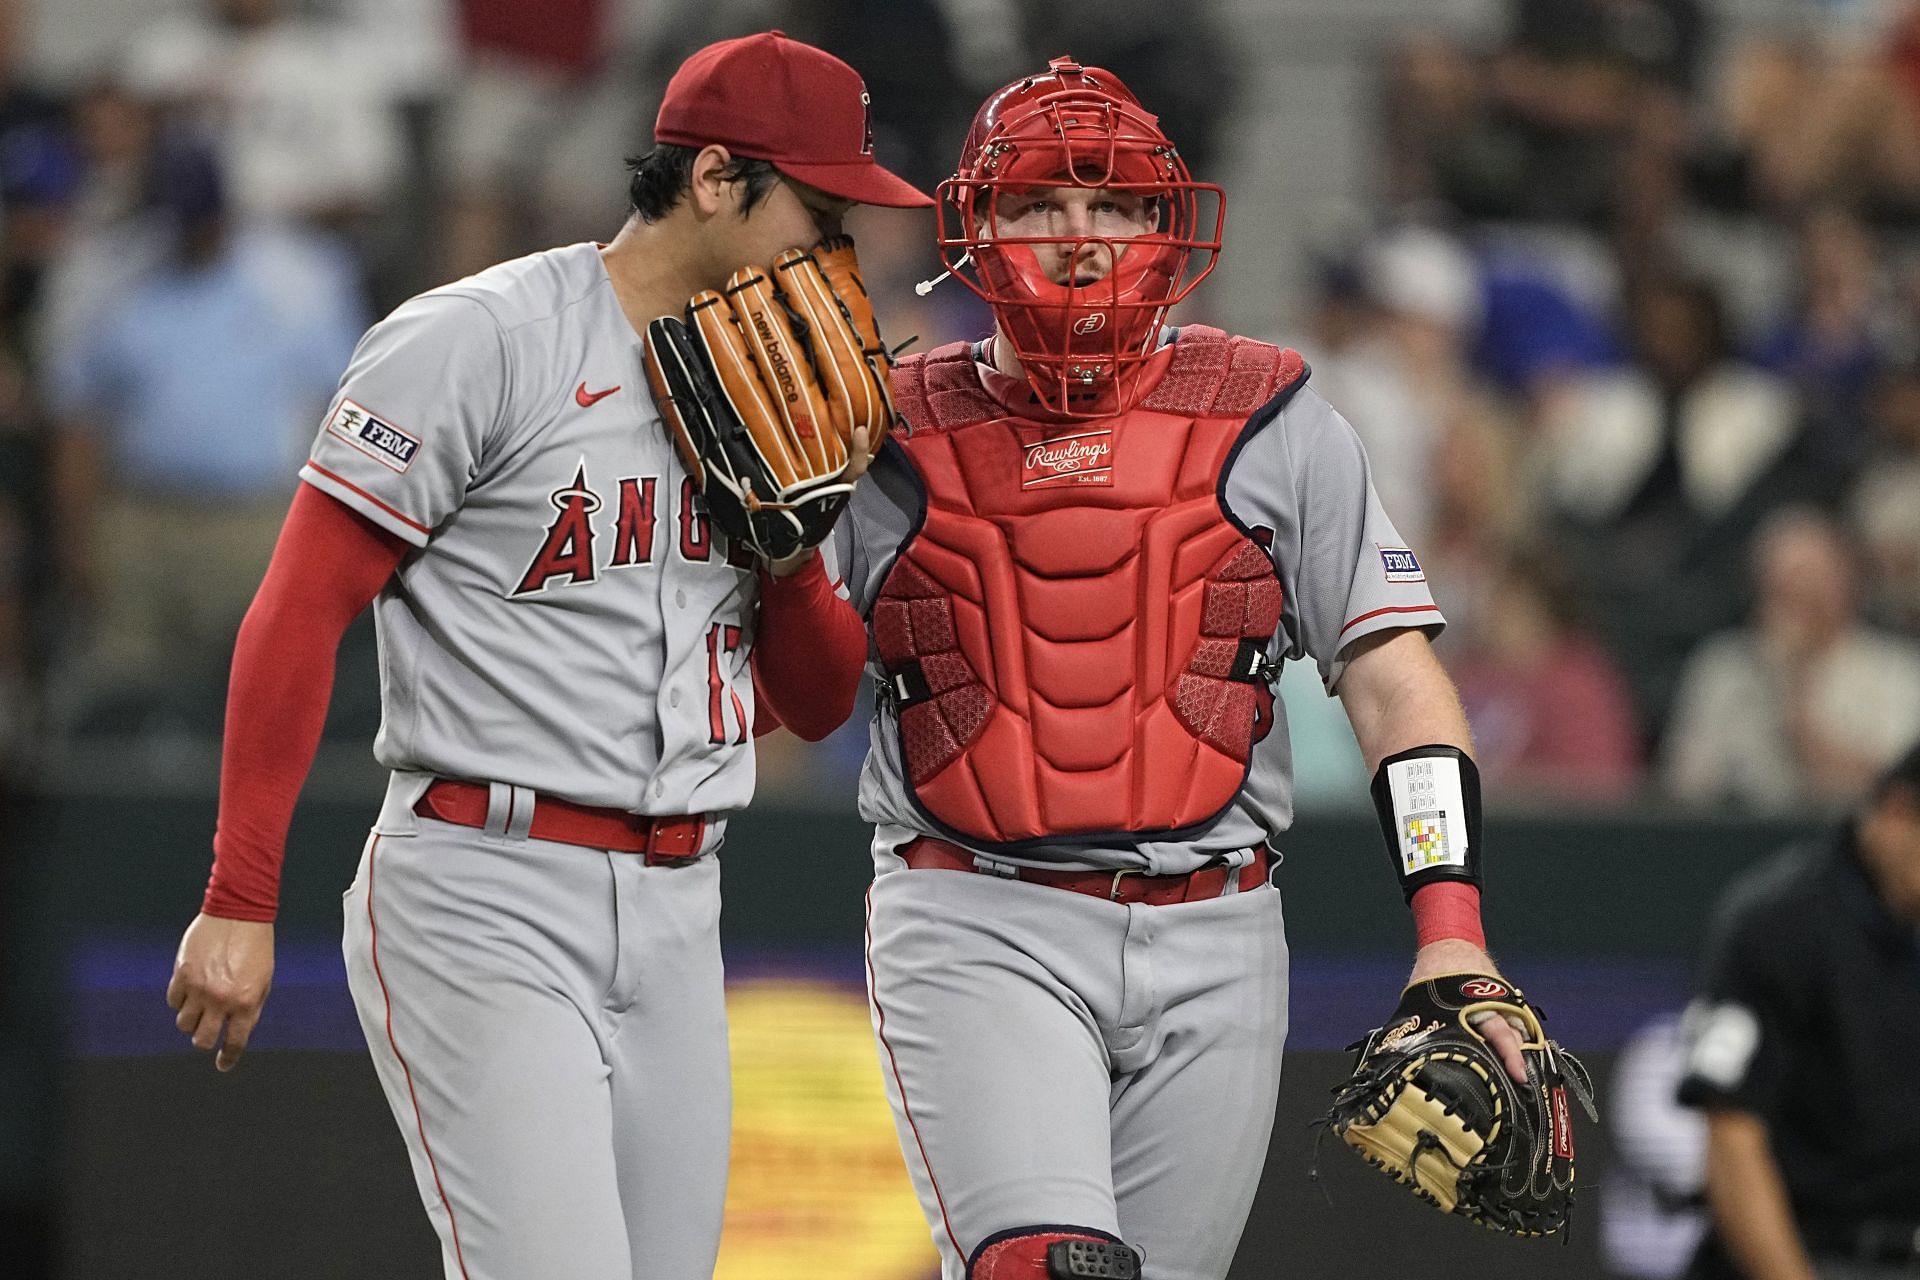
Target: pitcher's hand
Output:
[{"x": 221, "y": 977}]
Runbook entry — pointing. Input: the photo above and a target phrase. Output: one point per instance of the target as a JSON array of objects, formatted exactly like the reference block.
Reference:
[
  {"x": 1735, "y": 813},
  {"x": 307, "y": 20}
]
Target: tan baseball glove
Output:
[
  {"x": 763, "y": 385},
  {"x": 1430, "y": 1105}
]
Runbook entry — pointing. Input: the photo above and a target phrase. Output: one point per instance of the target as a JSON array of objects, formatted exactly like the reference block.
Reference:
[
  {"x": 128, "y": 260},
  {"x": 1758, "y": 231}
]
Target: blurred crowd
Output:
[
  {"x": 1632, "y": 338},
  {"x": 203, "y": 214},
  {"x": 1630, "y": 327}
]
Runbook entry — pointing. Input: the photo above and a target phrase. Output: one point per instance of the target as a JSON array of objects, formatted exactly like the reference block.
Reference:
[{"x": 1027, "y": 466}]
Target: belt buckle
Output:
[
  {"x": 650, "y": 847},
  {"x": 656, "y": 826},
  {"x": 1113, "y": 894}
]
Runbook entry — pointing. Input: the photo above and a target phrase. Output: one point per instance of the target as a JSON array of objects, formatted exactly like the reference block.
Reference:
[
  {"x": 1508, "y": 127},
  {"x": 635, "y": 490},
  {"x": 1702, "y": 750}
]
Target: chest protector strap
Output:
[{"x": 1075, "y": 638}]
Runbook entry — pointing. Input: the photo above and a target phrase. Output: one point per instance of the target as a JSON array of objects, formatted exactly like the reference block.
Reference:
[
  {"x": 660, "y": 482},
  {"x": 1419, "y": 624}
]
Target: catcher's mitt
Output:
[
  {"x": 1430, "y": 1105},
  {"x": 763, "y": 385}
]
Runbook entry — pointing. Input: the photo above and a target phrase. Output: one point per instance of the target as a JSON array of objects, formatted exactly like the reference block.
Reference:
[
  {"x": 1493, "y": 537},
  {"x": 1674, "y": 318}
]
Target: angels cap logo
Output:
[
  {"x": 1483, "y": 989},
  {"x": 866, "y": 108},
  {"x": 1090, "y": 324}
]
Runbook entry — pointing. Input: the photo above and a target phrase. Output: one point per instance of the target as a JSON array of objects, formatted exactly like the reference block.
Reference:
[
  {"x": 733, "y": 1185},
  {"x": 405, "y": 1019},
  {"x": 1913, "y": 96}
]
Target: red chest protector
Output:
[{"x": 1075, "y": 636}]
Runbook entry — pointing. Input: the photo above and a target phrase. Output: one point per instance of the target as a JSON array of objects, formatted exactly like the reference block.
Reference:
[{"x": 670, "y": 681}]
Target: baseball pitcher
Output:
[{"x": 591, "y": 592}]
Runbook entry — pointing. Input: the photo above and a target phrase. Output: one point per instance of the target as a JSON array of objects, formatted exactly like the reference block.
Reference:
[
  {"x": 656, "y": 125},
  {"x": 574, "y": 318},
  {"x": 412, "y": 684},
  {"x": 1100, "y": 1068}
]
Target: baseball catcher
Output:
[
  {"x": 769, "y": 386},
  {"x": 1081, "y": 570}
]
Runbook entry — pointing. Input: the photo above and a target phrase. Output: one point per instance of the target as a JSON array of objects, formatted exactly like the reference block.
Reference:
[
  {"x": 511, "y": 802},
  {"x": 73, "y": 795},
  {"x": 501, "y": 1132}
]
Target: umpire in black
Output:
[{"x": 1803, "y": 1048}]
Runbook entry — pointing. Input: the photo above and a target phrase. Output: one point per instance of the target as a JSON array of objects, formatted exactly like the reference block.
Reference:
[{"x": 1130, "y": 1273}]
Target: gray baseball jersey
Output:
[
  {"x": 547, "y": 1020},
  {"x": 1344, "y": 572},
  {"x": 571, "y": 623}
]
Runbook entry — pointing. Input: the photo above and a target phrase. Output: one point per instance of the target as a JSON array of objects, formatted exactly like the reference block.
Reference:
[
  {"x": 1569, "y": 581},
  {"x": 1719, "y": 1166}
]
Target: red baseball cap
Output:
[{"x": 770, "y": 97}]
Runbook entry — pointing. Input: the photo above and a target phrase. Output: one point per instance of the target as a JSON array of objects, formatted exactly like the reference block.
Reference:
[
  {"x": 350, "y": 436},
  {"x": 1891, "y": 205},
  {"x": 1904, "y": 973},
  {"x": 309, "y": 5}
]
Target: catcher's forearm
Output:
[
  {"x": 1749, "y": 1199},
  {"x": 1426, "y": 789},
  {"x": 1397, "y": 695}
]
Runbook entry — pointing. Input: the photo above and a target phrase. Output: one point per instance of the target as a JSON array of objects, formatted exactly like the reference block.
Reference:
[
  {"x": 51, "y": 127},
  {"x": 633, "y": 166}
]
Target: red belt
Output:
[
  {"x": 926, "y": 854},
  {"x": 674, "y": 838}
]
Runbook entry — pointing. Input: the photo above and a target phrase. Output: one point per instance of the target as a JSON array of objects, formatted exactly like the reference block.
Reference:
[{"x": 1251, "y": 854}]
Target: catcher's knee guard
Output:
[{"x": 1053, "y": 1253}]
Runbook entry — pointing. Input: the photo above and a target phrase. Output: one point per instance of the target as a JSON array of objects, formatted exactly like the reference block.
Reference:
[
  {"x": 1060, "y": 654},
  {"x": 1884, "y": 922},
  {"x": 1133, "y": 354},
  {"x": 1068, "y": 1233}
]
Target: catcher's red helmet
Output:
[{"x": 1080, "y": 127}]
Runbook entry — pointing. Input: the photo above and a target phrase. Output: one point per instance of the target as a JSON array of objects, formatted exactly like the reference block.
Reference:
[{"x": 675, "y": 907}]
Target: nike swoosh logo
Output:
[{"x": 587, "y": 399}]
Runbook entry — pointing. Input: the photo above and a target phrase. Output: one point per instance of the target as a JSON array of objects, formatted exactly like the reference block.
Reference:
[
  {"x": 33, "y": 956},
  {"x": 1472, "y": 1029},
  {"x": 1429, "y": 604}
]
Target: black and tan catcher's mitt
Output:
[
  {"x": 763, "y": 384},
  {"x": 1430, "y": 1105}
]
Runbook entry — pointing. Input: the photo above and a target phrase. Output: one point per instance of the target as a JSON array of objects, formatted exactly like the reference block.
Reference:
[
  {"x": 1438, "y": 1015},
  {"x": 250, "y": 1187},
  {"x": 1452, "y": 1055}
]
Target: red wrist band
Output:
[{"x": 1448, "y": 909}]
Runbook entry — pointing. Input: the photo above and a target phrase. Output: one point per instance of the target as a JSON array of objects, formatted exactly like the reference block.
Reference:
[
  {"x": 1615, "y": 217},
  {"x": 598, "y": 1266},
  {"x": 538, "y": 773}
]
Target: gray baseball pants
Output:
[
  {"x": 1056, "y": 1058},
  {"x": 548, "y": 1023}
]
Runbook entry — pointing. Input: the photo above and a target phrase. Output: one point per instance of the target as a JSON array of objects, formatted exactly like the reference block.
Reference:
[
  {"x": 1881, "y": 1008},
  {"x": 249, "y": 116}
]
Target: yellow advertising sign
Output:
[{"x": 817, "y": 1189}]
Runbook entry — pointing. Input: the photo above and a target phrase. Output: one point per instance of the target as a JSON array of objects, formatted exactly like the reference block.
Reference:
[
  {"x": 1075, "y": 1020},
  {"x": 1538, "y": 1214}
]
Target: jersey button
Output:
[
  {"x": 673, "y": 699},
  {"x": 679, "y": 599},
  {"x": 659, "y": 788}
]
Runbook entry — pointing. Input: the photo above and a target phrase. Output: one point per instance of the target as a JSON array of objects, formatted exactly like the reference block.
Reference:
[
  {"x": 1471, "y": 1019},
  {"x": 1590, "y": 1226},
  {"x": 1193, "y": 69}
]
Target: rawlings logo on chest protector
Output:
[
  {"x": 1076, "y": 648},
  {"x": 1086, "y": 457}
]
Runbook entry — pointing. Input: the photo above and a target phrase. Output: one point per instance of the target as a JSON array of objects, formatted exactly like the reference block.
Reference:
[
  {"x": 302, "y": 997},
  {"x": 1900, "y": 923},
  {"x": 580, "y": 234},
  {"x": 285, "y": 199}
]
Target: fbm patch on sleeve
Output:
[
  {"x": 373, "y": 436},
  {"x": 1400, "y": 565}
]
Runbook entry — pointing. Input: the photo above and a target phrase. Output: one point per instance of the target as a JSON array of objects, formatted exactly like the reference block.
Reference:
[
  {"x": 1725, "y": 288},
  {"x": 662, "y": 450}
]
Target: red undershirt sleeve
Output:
[
  {"x": 765, "y": 719},
  {"x": 327, "y": 566},
  {"x": 811, "y": 649}
]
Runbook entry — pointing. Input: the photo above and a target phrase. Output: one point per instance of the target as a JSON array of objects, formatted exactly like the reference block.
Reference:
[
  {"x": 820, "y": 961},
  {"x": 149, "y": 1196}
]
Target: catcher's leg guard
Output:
[{"x": 1053, "y": 1253}]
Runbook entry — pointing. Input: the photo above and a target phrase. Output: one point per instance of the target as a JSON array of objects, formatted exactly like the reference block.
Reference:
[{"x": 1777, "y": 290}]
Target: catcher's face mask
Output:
[{"x": 1081, "y": 331}]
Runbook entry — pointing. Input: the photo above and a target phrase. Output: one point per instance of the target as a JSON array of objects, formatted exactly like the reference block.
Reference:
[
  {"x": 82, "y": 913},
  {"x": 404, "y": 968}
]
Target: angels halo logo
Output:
[{"x": 1093, "y": 323}]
